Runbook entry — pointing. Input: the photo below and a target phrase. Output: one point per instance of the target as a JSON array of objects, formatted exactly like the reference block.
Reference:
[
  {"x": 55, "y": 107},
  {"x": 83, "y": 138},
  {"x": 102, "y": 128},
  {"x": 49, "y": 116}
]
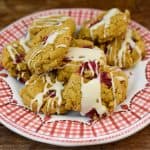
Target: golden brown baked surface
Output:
[{"x": 69, "y": 72}]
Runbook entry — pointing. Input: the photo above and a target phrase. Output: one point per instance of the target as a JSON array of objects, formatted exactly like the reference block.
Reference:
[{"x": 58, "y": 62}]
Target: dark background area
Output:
[{"x": 11, "y": 10}]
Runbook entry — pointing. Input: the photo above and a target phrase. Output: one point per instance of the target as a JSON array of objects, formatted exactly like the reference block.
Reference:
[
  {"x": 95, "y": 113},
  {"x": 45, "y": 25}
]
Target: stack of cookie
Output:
[
  {"x": 65, "y": 72},
  {"x": 110, "y": 30}
]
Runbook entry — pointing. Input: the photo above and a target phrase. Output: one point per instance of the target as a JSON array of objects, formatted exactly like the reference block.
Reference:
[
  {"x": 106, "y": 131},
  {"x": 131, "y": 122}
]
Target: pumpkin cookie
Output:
[
  {"x": 98, "y": 95},
  {"x": 42, "y": 93},
  {"x": 125, "y": 51},
  {"x": 106, "y": 26},
  {"x": 13, "y": 60}
]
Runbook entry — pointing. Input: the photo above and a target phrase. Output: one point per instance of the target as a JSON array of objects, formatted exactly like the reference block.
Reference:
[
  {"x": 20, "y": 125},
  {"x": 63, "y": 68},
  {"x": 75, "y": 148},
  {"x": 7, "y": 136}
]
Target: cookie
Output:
[
  {"x": 125, "y": 51},
  {"x": 82, "y": 43},
  {"x": 13, "y": 60},
  {"x": 96, "y": 96},
  {"x": 42, "y": 93},
  {"x": 43, "y": 26},
  {"x": 106, "y": 26},
  {"x": 76, "y": 57},
  {"x": 50, "y": 53}
]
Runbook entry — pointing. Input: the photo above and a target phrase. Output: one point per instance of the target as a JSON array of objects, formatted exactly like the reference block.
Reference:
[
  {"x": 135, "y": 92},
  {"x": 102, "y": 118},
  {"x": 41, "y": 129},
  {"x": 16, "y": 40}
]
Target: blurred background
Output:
[{"x": 11, "y": 10}]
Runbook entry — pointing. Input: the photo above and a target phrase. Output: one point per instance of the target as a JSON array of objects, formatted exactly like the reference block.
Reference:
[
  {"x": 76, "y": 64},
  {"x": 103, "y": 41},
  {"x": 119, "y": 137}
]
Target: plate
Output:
[{"x": 134, "y": 115}]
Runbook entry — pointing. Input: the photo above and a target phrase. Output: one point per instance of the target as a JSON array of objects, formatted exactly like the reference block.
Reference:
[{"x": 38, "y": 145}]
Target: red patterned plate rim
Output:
[{"x": 78, "y": 133}]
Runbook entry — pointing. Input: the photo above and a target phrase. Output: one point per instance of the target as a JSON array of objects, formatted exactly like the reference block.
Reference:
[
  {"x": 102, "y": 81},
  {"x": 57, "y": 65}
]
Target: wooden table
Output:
[{"x": 11, "y": 10}]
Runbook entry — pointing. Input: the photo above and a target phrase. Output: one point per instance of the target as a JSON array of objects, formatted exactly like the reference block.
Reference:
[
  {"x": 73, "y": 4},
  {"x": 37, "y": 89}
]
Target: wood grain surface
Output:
[{"x": 11, "y": 10}]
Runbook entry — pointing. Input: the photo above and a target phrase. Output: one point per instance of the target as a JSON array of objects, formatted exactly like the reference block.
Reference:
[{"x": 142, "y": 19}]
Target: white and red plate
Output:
[{"x": 134, "y": 115}]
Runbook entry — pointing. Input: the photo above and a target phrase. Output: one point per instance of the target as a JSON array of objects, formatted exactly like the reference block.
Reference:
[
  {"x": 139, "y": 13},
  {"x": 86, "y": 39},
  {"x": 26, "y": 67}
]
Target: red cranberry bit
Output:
[
  {"x": 19, "y": 58},
  {"x": 85, "y": 66},
  {"x": 92, "y": 113},
  {"x": 52, "y": 93},
  {"x": 66, "y": 59},
  {"x": 22, "y": 80},
  {"x": 87, "y": 46},
  {"x": 44, "y": 39},
  {"x": 106, "y": 79},
  {"x": 94, "y": 64},
  {"x": 104, "y": 115},
  {"x": 81, "y": 69},
  {"x": 3, "y": 75}
]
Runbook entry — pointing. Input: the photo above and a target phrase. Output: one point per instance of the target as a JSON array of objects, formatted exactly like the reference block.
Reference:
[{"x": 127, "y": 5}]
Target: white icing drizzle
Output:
[
  {"x": 52, "y": 37},
  {"x": 39, "y": 96},
  {"x": 12, "y": 52},
  {"x": 128, "y": 40},
  {"x": 57, "y": 86},
  {"x": 93, "y": 70},
  {"x": 49, "y": 21},
  {"x": 52, "y": 18},
  {"x": 22, "y": 42},
  {"x": 91, "y": 97},
  {"x": 46, "y": 25},
  {"x": 28, "y": 36},
  {"x": 85, "y": 54},
  {"x": 120, "y": 78},
  {"x": 35, "y": 53},
  {"x": 61, "y": 45},
  {"x": 105, "y": 21}
]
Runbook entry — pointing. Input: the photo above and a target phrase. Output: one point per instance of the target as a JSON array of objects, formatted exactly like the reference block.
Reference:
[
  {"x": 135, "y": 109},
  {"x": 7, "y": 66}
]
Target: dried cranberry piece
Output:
[
  {"x": 19, "y": 58},
  {"x": 44, "y": 39},
  {"x": 104, "y": 115},
  {"x": 87, "y": 46},
  {"x": 22, "y": 80},
  {"x": 92, "y": 113},
  {"x": 52, "y": 93},
  {"x": 93, "y": 64},
  {"x": 66, "y": 59},
  {"x": 106, "y": 79},
  {"x": 80, "y": 69},
  {"x": 85, "y": 66}
]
